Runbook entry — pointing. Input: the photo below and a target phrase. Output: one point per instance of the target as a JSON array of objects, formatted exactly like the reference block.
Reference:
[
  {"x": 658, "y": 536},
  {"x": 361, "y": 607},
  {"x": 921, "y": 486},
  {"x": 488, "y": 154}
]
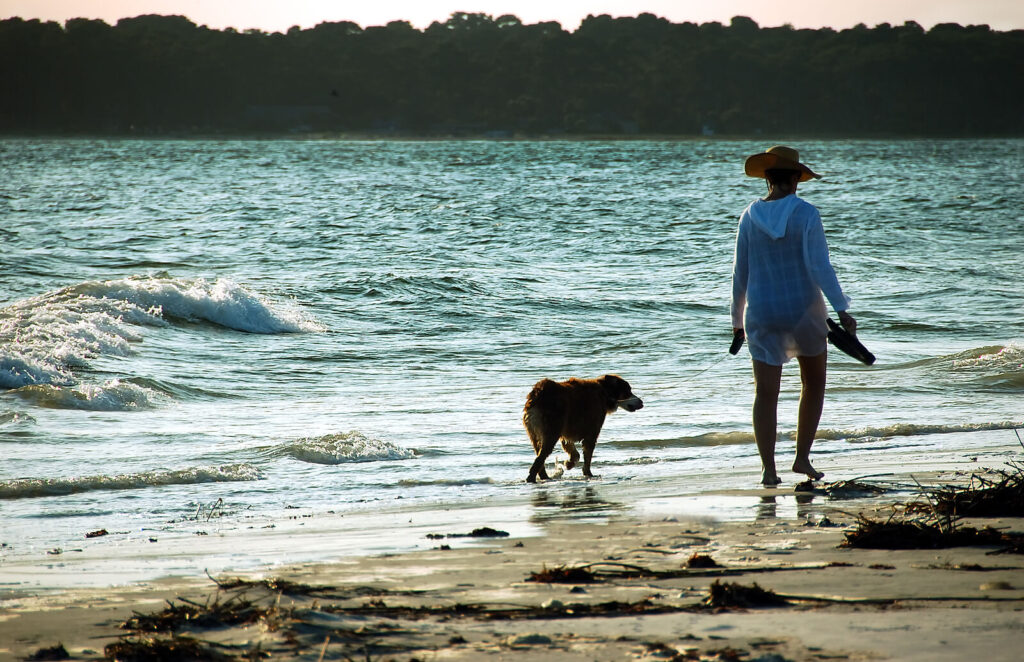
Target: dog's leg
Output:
[
  {"x": 537, "y": 469},
  {"x": 588, "y": 453},
  {"x": 569, "y": 447}
]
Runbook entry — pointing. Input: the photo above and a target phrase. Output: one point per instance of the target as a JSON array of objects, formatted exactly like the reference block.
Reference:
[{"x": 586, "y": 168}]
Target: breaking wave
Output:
[
  {"x": 894, "y": 430},
  {"x": 115, "y": 395},
  {"x": 915, "y": 429},
  {"x": 24, "y": 488},
  {"x": 45, "y": 338},
  {"x": 343, "y": 448},
  {"x": 445, "y": 482}
]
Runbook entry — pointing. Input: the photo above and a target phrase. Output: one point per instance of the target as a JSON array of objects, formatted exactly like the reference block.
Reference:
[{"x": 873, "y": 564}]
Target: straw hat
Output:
[{"x": 779, "y": 157}]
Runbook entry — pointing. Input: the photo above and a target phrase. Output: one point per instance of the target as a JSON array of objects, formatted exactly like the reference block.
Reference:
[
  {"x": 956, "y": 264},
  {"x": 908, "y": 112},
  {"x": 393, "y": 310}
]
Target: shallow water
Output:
[{"x": 220, "y": 332}]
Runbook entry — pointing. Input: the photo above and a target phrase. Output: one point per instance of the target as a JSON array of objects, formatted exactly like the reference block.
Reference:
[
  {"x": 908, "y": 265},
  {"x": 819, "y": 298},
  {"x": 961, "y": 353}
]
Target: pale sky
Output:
[{"x": 279, "y": 15}]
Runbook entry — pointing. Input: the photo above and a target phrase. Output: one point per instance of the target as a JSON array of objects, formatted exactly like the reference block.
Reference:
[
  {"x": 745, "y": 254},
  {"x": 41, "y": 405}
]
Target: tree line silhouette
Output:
[{"x": 479, "y": 75}]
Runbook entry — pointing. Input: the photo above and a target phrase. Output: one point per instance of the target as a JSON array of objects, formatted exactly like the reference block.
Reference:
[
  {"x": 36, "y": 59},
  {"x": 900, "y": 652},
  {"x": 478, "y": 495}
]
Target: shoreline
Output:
[
  {"x": 247, "y": 541},
  {"x": 459, "y": 598}
]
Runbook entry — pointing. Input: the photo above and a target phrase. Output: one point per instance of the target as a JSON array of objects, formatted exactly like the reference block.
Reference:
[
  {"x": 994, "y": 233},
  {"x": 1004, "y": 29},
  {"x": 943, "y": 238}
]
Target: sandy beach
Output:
[{"x": 628, "y": 587}]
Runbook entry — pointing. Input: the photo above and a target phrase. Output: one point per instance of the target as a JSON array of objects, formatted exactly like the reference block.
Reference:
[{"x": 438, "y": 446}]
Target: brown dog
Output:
[{"x": 572, "y": 411}]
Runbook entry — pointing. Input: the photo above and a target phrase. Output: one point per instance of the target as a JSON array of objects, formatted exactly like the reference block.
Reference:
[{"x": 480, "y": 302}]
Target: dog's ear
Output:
[{"x": 615, "y": 386}]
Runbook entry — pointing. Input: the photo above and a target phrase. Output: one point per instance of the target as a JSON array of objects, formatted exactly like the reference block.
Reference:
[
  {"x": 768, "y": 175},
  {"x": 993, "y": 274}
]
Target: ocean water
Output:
[{"x": 241, "y": 338}]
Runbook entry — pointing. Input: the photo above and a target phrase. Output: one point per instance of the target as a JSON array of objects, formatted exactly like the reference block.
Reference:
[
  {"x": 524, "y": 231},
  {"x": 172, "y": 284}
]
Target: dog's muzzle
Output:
[{"x": 631, "y": 403}]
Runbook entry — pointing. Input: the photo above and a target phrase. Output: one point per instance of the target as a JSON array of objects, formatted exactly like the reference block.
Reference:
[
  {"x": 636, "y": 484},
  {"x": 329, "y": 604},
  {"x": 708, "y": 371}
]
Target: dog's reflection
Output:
[{"x": 576, "y": 502}]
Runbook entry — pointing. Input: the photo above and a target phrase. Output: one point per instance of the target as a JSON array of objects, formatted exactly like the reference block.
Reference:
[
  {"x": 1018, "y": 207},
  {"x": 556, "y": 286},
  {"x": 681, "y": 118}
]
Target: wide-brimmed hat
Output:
[{"x": 779, "y": 157}]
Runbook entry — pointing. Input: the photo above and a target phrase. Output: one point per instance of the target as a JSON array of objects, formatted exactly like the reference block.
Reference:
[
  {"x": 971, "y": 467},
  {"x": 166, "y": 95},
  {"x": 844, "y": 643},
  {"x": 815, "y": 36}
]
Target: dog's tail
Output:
[{"x": 540, "y": 400}]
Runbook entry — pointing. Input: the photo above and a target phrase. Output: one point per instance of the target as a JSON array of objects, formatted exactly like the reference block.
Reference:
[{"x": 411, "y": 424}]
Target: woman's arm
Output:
[
  {"x": 816, "y": 257},
  {"x": 740, "y": 271}
]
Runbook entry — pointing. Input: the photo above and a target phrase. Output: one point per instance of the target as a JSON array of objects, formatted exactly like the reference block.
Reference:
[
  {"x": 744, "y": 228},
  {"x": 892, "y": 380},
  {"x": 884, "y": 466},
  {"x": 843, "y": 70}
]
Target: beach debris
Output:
[
  {"x": 996, "y": 586},
  {"x": 552, "y": 605},
  {"x": 531, "y": 639},
  {"x": 701, "y": 561},
  {"x": 603, "y": 571},
  {"x": 661, "y": 651},
  {"x": 236, "y": 610},
  {"x": 57, "y": 652},
  {"x": 916, "y": 534},
  {"x": 563, "y": 575},
  {"x": 995, "y": 493},
  {"x": 96, "y": 534},
  {"x": 851, "y": 489},
  {"x": 482, "y": 532},
  {"x": 738, "y": 595},
  {"x": 275, "y": 584},
  {"x": 153, "y": 649},
  {"x": 612, "y": 609},
  {"x": 728, "y": 654},
  {"x": 215, "y": 508},
  {"x": 841, "y": 489}
]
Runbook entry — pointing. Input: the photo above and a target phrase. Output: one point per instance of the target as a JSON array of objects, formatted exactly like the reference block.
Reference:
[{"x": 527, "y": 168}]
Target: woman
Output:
[{"x": 780, "y": 270}]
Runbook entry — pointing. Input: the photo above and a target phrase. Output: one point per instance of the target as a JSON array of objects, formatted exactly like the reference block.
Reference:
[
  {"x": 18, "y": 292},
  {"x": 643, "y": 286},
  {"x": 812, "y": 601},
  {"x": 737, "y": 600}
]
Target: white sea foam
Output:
[
  {"x": 220, "y": 302},
  {"x": 114, "y": 395},
  {"x": 16, "y": 419},
  {"x": 38, "y": 487},
  {"x": 745, "y": 437},
  {"x": 447, "y": 482},
  {"x": 1008, "y": 358},
  {"x": 346, "y": 447},
  {"x": 915, "y": 429},
  {"x": 45, "y": 338}
]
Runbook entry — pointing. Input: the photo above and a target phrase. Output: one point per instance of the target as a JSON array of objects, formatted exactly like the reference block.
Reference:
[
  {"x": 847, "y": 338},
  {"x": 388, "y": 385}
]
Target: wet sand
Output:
[{"x": 467, "y": 598}]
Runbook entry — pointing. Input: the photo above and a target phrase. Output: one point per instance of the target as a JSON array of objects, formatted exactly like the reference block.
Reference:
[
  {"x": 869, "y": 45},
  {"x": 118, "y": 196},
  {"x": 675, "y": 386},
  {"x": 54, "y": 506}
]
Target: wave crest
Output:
[
  {"x": 915, "y": 429},
  {"x": 115, "y": 395},
  {"x": 45, "y": 338},
  {"x": 343, "y": 448},
  {"x": 221, "y": 302},
  {"x": 25, "y": 488}
]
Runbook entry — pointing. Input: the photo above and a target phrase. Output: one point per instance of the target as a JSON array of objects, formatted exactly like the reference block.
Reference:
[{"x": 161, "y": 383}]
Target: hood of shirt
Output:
[{"x": 772, "y": 217}]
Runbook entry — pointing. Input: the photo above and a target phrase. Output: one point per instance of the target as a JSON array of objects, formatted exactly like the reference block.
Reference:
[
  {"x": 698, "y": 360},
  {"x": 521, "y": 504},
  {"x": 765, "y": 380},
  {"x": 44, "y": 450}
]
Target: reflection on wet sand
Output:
[
  {"x": 767, "y": 507},
  {"x": 572, "y": 503}
]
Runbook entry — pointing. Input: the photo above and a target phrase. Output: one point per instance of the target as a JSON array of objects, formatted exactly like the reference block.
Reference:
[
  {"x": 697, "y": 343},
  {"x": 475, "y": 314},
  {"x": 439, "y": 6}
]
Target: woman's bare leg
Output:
[
  {"x": 766, "y": 401},
  {"x": 812, "y": 399}
]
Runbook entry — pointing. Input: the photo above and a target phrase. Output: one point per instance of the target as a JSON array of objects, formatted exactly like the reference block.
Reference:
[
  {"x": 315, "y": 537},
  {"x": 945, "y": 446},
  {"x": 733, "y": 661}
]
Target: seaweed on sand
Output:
[
  {"x": 153, "y": 649},
  {"x": 482, "y": 612},
  {"x": 738, "y": 595},
  {"x": 564, "y": 575},
  {"x": 698, "y": 565},
  {"x": 233, "y": 611},
  {"x": 999, "y": 493},
  {"x": 57, "y": 652},
  {"x": 275, "y": 584},
  {"x": 701, "y": 561},
  {"x": 917, "y": 534}
]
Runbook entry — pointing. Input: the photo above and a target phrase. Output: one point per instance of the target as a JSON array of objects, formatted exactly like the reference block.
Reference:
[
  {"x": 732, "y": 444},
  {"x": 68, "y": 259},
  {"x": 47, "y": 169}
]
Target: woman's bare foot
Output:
[
  {"x": 770, "y": 479},
  {"x": 804, "y": 467}
]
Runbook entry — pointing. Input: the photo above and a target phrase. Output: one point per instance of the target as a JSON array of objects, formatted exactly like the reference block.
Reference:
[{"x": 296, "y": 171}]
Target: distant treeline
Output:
[{"x": 479, "y": 75}]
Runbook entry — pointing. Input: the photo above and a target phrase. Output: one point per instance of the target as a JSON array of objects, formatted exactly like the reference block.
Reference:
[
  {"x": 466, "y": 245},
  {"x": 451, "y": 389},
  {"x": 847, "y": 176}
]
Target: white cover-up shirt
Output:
[{"x": 780, "y": 270}]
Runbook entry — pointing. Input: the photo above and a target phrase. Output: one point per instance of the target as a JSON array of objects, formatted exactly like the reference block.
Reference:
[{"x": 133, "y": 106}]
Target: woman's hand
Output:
[{"x": 848, "y": 322}]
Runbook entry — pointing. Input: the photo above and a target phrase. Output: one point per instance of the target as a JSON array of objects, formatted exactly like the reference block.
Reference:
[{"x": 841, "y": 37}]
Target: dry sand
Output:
[{"x": 468, "y": 600}]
